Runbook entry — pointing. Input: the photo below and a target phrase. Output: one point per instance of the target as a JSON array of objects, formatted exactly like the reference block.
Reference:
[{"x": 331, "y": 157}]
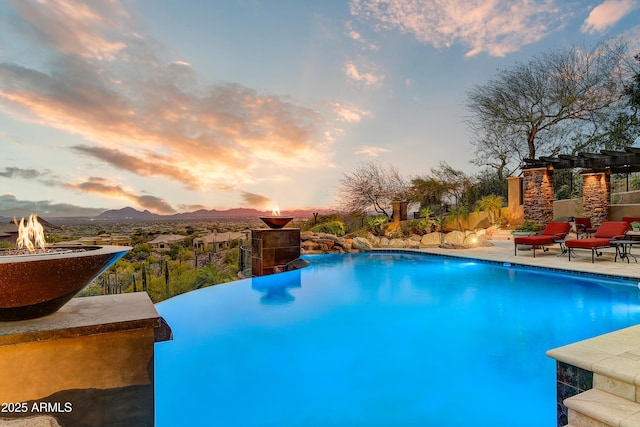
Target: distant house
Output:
[
  {"x": 217, "y": 241},
  {"x": 105, "y": 240},
  {"x": 163, "y": 242}
]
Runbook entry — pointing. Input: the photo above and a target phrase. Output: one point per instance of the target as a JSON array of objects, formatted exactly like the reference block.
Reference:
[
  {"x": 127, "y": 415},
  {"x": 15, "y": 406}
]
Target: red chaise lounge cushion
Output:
[
  {"x": 554, "y": 232},
  {"x": 607, "y": 231}
]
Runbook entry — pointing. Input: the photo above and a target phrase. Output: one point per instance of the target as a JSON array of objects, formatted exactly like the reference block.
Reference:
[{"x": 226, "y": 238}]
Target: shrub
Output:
[
  {"x": 529, "y": 226},
  {"x": 337, "y": 228},
  {"x": 490, "y": 204},
  {"x": 375, "y": 223}
]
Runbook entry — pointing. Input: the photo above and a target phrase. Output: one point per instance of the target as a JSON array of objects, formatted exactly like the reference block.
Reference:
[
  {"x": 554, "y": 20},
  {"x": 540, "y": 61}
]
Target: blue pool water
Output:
[{"x": 382, "y": 339}]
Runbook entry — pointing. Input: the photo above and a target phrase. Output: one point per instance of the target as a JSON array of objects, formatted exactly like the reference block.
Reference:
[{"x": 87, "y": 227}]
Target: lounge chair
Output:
[
  {"x": 584, "y": 227},
  {"x": 554, "y": 232},
  {"x": 607, "y": 232}
]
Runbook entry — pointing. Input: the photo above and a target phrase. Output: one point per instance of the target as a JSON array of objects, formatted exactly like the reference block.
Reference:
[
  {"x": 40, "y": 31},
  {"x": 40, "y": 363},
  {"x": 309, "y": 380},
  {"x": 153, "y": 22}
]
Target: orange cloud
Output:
[
  {"x": 159, "y": 166},
  {"x": 146, "y": 116}
]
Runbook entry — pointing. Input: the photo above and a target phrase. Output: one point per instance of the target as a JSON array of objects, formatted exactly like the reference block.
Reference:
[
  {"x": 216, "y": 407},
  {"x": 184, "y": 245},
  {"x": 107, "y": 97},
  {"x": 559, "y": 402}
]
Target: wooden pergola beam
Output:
[{"x": 615, "y": 161}]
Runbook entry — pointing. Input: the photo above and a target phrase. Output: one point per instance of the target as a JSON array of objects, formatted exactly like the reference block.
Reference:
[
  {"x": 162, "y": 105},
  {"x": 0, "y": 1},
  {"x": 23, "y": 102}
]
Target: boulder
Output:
[
  {"x": 470, "y": 239},
  {"x": 454, "y": 237},
  {"x": 374, "y": 240},
  {"x": 327, "y": 236},
  {"x": 481, "y": 241},
  {"x": 306, "y": 235},
  {"x": 431, "y": 239},
  {"x": 325, "y": 244},
  {"x": 384, "y": 242},
  {"x": 397, "y": 243},
  {"x": 345, "y": 244},
  {"x": 362, "y": 244},
  {"x": 308, "y": 245},
  {"x": 412, "y": 244}
]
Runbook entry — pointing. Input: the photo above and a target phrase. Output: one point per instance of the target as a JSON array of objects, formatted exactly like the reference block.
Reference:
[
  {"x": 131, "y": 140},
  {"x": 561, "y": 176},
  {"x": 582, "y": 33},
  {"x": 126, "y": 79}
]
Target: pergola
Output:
[
  {"x": 606, "y": 160},
  {"x": 596, "y": 189}
]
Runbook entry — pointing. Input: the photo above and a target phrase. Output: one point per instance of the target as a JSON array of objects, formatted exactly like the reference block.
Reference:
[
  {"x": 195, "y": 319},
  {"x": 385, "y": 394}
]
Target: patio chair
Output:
[
  {"x": 554, "y": 232},
  {"x": 605, "y": 234},
  {"x": 584, "y": 227}
]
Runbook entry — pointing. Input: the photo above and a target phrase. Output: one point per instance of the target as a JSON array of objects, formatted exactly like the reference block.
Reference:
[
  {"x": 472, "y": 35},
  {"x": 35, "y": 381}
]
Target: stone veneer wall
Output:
[
  {"x": 272, "y": 250},
  {"x": 596, "y": 196},
  {"x": 570, "y": 380},
  {"x": 538, "y": 195}
]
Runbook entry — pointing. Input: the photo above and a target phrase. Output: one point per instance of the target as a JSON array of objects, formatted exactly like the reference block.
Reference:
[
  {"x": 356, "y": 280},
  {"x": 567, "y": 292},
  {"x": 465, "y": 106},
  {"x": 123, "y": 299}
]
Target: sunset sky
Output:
[{"x": 178, "y": 105}]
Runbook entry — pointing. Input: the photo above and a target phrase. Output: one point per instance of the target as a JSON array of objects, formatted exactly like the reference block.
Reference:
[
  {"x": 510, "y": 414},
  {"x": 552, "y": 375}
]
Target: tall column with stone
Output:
[
  {"x": 515, "y": 200},
  {"x": 596, "y": 196},
  {"x": 538, "y": 195}
]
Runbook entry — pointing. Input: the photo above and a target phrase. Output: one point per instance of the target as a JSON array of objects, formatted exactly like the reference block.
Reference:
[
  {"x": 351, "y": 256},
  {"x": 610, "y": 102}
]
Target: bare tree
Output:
[
  {"x": 371, "y": 187},
  {"x": 557, "y": 101},
  {"x": 496, "y": 149}
]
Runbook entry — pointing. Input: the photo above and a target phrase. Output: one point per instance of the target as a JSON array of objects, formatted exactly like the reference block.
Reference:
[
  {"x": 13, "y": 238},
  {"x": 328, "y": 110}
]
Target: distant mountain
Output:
[
  {"x": 236, "y": 213},
  {"x": 241, "y": 213},
  {"x": 127, "y": 213}
]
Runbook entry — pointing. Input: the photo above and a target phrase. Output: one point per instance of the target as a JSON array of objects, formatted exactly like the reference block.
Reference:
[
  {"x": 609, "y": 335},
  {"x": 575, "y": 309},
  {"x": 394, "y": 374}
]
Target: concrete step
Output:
[
  {"x": 500, "y": 235},
  {"x": 617, "y": 382},
  {"x": 597, "y": 408}
]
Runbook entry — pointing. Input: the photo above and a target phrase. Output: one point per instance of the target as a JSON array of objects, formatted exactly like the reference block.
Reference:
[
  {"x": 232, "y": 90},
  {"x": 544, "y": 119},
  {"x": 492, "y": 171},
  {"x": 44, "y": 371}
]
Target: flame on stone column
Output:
[
  {"x": 31, "y": 235},
  {"x": 275, "y": 211}
]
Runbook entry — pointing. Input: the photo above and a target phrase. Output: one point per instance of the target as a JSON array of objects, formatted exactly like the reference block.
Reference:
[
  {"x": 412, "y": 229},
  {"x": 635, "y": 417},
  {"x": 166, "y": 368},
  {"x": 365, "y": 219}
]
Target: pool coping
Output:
[{"x": 511, "y": 263}]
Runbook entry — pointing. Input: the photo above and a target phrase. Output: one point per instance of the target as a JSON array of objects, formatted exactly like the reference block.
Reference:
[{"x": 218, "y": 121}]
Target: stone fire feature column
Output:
[
  {"x": 538, "y": 195},
  {"x": 88, "y": 364},
  {"x": 399, "y": 210},
  {"x": 273, "y": 249},
  {"x": 596, "y": 196}
]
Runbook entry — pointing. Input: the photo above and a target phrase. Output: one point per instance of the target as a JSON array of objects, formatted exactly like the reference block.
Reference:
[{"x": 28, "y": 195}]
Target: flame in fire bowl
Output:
[
  {"x": 37, "y": 284},
  {"x": 276, "y": 221}
]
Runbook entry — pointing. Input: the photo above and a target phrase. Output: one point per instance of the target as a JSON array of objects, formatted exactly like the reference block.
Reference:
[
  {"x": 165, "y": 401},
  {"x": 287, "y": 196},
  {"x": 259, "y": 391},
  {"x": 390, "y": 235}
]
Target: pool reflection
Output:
[{"x": 276, "y": 287}]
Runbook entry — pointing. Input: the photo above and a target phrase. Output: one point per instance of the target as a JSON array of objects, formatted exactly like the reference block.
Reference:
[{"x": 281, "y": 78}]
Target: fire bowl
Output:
[
  {"x": 38, "y": 284},
  {"x": 276, "y": 221}
]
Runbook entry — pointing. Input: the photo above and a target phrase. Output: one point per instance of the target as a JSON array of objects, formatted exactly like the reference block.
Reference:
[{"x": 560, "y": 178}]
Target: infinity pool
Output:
[{"x": 379, "y": 339}]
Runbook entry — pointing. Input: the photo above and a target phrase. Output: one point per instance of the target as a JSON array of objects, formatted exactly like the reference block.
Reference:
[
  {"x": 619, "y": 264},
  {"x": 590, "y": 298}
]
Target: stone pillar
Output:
[
  {"x": 399, "y": 210},
  {"x": 515, "y": 202},
  {"x": 273, "y": 249},
  {"x": 596, "y": 196},
  {"x": 538, "y": 195}
]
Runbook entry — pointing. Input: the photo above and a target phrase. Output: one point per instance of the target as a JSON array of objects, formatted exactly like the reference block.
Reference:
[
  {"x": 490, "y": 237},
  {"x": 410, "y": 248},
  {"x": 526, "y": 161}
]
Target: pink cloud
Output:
[
  {"x": 497, "y": 27},
  {"x": 607, "y": 14}
]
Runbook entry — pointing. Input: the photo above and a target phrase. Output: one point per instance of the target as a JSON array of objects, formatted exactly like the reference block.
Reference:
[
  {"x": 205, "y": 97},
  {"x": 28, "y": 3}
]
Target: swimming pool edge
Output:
[{"x": 511, "y": 262}]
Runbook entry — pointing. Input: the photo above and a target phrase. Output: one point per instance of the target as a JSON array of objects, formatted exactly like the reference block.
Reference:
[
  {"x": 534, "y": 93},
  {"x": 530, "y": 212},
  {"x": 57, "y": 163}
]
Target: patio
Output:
[{"x": 502, "y": 251}]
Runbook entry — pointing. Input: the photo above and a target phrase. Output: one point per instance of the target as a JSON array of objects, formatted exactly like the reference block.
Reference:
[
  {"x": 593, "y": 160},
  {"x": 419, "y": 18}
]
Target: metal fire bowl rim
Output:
[
  {"x": 89, "y": 250},
  {"x": 276, "y": 222}
]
